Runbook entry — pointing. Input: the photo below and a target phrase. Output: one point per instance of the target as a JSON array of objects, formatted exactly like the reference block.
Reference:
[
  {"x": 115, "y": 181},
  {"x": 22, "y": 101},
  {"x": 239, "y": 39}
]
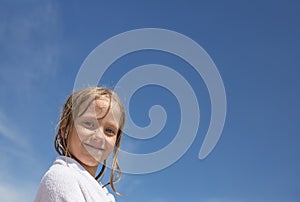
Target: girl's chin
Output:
[
  {"x": 91, "y": 163},
  {"x": 94, "y": 159},
  {"x": 89, "y": 160}
]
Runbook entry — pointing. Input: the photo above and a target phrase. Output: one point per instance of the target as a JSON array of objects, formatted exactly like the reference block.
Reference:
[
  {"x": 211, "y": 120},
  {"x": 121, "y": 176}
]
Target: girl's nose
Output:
[{"x": 99, "y": 133}]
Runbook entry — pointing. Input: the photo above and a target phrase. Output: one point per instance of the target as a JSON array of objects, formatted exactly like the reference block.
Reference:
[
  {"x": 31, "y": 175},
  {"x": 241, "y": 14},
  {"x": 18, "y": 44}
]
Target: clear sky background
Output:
[{"x": 254, "y": 44}]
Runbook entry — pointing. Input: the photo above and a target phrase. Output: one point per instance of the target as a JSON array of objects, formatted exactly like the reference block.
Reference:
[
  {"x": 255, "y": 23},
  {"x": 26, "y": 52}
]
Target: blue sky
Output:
[{"x": 254, "y": 44}]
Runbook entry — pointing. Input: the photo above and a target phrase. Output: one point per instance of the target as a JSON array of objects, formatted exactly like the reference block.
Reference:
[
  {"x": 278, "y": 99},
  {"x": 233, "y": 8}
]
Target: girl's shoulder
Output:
[
  {"x": 59, "y": 176},
  {"x": 57, "y": 184},
  {"x": 59, "y": 172}
]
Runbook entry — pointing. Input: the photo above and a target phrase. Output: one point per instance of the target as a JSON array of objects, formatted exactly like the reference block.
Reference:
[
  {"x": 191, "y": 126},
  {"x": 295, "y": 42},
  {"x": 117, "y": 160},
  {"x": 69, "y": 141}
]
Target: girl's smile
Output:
[
  {"x": 96, "y": 147},
  {"x": 94, "y": 133}
]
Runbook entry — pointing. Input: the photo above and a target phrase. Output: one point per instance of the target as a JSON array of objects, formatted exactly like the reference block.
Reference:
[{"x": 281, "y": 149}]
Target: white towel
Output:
[{"x": 70, "y": 184}]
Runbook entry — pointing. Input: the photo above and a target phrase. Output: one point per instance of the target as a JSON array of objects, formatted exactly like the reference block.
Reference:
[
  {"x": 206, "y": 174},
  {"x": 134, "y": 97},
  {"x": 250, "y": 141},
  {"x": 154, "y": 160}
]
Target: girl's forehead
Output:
[
  {"x": 100, "y": 104},
  {"x": 99, "y": 107}
]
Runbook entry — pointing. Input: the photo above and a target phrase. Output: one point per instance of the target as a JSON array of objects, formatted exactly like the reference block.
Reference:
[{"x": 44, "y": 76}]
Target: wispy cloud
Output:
[
  {"x": 16, "y": 153},
  {"x": 29, "y": 38},
  {"x": 29, "y": 54},
  {"x": 15, "y": 192},
  {"x": 9, "y": 132}
]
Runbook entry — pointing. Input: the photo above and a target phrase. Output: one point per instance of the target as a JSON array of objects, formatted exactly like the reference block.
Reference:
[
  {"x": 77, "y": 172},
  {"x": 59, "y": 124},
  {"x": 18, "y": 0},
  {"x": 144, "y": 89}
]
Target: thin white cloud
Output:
[
  {"x": 9, "y": 132},
  {"x": 30, "y": 36},
  {"x": 17, "y": 159},
  {"x": 10, "y": 194},
  {"x": 15, "y": 191},
  {"x": 29, "y": 45}
]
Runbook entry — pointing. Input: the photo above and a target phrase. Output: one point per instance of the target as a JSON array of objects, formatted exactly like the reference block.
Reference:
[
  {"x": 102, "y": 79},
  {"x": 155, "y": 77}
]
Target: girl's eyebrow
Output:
[
  {"x": 111, "y": 124},
  {"x": 89, "y": 115}
]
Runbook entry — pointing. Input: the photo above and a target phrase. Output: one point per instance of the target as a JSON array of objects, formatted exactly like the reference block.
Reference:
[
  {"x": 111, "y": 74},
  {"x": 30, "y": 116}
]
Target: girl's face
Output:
[{"x": 94, "y": 134}]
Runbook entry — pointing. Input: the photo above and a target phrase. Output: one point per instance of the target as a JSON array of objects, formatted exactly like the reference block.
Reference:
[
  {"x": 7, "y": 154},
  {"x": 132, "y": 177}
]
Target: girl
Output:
[{"x": 90, "y": 128}]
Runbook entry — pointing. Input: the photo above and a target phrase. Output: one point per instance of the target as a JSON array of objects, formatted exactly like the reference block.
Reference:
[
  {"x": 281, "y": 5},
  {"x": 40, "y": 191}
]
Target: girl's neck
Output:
[{"x": 91, "y": 169}]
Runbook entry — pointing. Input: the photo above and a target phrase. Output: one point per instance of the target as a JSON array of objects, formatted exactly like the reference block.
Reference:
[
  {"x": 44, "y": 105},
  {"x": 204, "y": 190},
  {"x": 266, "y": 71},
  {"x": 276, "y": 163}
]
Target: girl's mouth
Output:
[{"x": 93, "y": 146}]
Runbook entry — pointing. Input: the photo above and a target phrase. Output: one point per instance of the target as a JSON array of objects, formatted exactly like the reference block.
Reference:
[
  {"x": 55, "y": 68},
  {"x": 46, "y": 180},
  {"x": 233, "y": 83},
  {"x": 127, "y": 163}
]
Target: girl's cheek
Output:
[
  {"x": 84, "y": 133},
  {"x": 112, "y": 141}
]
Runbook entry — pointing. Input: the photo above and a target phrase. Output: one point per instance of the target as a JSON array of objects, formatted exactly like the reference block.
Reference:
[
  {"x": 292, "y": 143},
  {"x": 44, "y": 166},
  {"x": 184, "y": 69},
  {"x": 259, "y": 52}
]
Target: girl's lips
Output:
[{"x": 94, "y": 147}]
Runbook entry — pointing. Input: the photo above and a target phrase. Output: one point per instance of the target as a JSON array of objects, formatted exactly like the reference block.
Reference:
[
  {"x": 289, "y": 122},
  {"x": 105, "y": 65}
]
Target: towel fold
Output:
[{"x": 71, "y": 183}]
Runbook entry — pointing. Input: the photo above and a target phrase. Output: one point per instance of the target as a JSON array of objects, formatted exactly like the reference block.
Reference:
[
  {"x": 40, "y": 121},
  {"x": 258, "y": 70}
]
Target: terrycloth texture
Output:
[{"x": 70, "y": 183}]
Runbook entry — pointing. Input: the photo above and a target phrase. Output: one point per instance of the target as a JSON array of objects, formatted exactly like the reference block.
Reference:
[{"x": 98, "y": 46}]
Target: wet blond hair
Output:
[{"x": 76, "y": 104}]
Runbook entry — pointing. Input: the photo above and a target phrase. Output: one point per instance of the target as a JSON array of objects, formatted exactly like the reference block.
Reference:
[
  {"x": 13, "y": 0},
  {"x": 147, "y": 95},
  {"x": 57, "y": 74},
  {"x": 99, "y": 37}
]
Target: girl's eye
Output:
[
  {"x": 89, "y": 124},
  {"x": 110, "y": 131}
]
